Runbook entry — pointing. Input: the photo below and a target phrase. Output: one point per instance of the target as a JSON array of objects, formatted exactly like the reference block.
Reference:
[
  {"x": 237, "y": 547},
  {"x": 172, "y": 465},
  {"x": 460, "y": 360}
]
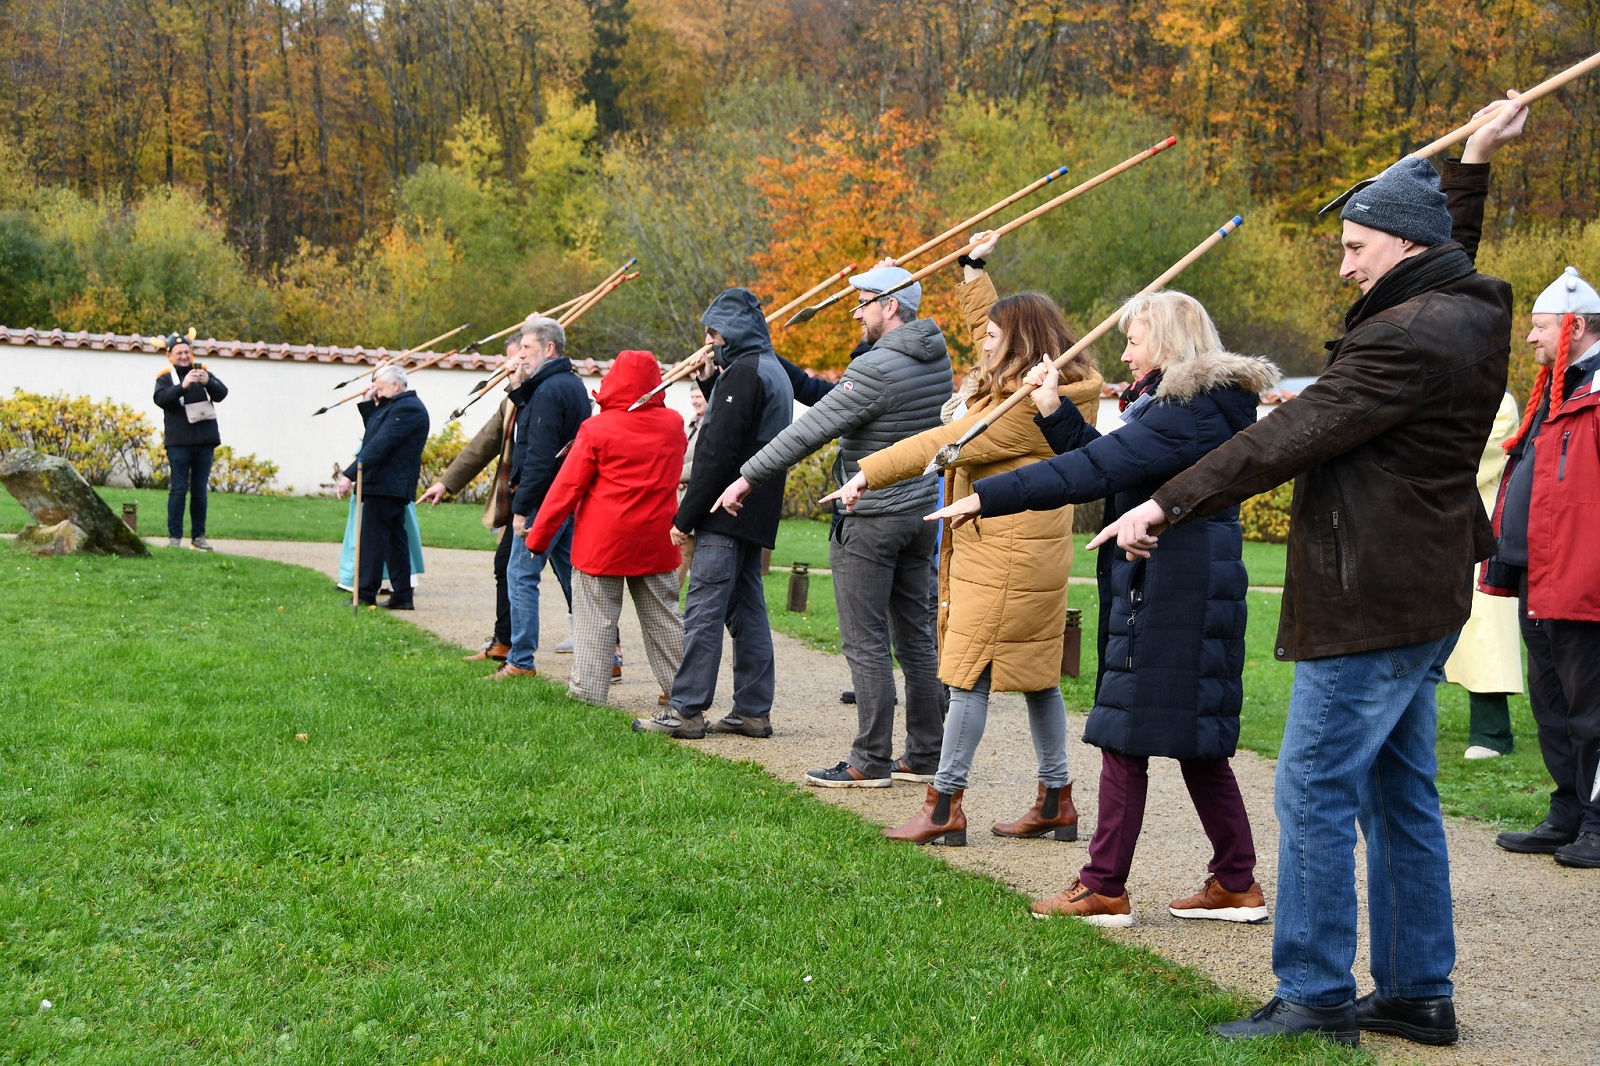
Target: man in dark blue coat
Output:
[
  {"x": 551, "y": 404},
  {"x": 390, "y": 462}
]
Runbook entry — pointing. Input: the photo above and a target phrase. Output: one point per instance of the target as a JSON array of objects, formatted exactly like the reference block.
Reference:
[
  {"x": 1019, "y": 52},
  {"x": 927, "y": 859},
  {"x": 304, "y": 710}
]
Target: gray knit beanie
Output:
[{"x": 1404, "y": 201}]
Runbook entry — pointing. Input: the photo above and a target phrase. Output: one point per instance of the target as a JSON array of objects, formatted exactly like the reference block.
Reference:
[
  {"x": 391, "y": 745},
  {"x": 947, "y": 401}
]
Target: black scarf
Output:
[{"x": 1433, "y": 269}]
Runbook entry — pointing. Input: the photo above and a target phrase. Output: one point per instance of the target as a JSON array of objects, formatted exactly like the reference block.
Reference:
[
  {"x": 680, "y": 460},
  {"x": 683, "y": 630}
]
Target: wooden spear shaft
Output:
[
  {"x": 1544, "y": 88},
  {"x": 928, "y": 245},
  {"x": 504, "y": 370},
  {"x": 424, "y": 346},
  {"x": 687, "y": 366},
  {"x": 355, "y": 581},
  {"x": 947, "y": 455},
  {"x": 1049, "y": 205},
  {"x": 425, "y": 364}
]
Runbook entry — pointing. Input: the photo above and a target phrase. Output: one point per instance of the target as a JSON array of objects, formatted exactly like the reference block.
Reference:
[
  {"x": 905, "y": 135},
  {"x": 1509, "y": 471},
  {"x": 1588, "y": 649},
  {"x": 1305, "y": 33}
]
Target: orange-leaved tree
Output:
[{"x": 857, "y": 192}]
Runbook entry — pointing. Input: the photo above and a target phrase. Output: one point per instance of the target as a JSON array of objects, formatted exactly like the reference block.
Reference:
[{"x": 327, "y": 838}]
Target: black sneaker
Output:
[
  {"x": 751, "y": 726},
  {"x": 669, "y": 721},
  {"x": 847, "y": 696},
  {"x": 845, "y": 776},
  {"x": 1581, "y": 854},
  {"x": 1542, "y": 839},
  {"x": 1279, "y": 1017}
]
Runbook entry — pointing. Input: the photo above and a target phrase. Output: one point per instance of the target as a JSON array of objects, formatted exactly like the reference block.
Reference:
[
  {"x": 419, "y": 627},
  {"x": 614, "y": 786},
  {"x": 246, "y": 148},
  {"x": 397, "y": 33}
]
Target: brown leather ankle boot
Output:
[
  {"x": 1052, "y": 814},
  {"x": 940, "y": 821}
]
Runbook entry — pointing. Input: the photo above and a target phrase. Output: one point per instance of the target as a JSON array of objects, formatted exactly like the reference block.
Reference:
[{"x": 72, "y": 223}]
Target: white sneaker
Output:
[
  {"x": 565, "y": 647},
  {"x": 1478, "y": 751}
]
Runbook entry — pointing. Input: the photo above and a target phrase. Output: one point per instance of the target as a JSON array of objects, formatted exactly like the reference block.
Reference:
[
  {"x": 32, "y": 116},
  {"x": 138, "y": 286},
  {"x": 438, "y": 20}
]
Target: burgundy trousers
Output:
[{"x": 1124, "y": 784}]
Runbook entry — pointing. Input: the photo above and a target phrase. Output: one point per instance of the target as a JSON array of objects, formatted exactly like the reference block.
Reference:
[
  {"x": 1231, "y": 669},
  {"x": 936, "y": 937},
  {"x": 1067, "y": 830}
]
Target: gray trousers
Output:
[
  {"x": 725, "y": 590},
  {"x": 886, "y": 590},
  {"x": 969, "y": 714},
  {"x": 596, "y": 607}
]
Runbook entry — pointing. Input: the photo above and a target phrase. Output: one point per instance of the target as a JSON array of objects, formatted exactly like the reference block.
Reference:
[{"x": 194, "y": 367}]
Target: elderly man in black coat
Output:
[{"x": 390, "y": 462}]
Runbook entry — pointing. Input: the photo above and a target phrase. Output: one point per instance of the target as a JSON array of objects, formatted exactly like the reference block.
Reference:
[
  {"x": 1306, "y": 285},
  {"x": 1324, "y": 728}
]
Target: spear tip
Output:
[{"x": 319, "y": 411}]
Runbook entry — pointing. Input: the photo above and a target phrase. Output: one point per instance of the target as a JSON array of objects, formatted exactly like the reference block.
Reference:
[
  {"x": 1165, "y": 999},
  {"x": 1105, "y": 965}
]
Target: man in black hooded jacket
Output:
[{"x": 750, "y": 403}]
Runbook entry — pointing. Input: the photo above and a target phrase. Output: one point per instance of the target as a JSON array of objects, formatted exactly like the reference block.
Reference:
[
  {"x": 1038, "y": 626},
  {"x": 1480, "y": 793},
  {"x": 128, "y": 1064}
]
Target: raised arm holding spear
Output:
[
  {"x": 1482, "y": 118},
  {"x": 851, "y": 491}
]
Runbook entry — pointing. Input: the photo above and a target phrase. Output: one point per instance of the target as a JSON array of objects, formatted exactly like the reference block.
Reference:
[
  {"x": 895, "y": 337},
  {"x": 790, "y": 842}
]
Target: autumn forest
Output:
[{"x": 365, "y": 172}]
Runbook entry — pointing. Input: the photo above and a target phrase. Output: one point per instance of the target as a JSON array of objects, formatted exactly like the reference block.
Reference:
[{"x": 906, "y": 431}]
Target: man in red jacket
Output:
[
  {"x": 1546, "y": 512},
  {"x": 621, "y": 480}
]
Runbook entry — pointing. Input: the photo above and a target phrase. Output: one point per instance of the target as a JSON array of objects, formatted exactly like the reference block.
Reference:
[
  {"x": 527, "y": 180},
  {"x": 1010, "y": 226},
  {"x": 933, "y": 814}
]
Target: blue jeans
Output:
[
  {"x": 969, "y": 714},
  {"x": 725, "y": 590},
  {"x": 1359, "y": 746},
  {"x": 523, "y": 570},
  {"x": 191, "y": 472}
]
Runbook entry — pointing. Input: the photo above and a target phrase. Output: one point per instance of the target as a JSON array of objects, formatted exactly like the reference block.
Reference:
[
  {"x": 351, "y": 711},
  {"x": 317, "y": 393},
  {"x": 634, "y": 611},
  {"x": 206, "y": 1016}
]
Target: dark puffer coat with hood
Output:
[
  {"x": 750, "y": 403},
  {"x": 1171, "y": 626}
]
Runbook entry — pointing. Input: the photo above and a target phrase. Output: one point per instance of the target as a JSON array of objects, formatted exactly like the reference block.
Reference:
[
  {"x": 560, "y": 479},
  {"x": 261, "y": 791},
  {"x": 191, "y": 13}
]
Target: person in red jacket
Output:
[
  {"x": 1546, "y": 512},
  {"x": 621, "y": 480}
]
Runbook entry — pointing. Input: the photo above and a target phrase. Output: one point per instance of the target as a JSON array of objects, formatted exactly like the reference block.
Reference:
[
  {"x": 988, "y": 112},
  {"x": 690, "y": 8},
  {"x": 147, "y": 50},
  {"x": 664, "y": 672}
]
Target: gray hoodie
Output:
[{"x": 889, "y": 393}]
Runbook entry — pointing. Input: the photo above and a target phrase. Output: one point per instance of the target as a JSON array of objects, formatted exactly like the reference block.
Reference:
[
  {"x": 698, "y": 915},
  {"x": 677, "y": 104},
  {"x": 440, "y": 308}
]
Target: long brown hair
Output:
[{"x": 1031, "y": 328}]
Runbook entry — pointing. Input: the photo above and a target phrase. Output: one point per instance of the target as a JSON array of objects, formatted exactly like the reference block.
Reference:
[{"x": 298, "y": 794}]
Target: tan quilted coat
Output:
[{"x": 1002, "y": 581}]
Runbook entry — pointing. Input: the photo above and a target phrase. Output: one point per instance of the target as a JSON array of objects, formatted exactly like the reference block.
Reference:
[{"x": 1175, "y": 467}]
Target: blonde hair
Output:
[{"x": 1180, "y": 328}]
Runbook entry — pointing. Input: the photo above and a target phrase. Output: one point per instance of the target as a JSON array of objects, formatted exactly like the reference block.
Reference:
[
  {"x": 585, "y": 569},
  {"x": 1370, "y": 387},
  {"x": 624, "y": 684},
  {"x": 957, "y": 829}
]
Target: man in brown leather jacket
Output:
[{"x": 1384, "y": 530}]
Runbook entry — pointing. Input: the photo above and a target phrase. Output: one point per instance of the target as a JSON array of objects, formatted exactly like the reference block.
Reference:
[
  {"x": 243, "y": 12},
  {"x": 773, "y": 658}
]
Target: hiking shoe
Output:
[
  {"x": 671, "y": 722},
  {"x": 1109, "y": 912},
  {"x": 1542, "y": 839},
  {"x": 900, "y": 770},
  {"x": 744, "y": 726},
  {"x": 201, "y": 544},
  {"x": 177, "y": 542},
  {"x": 1214, "y": 901},
  {"x": 1581, "y": 854},
  {"x": 845, "y": 776}
]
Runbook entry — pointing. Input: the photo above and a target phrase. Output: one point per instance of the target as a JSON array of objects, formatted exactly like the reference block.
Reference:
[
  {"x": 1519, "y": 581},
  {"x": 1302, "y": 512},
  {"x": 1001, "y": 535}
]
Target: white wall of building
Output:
[{"x": 268, "y": 409}]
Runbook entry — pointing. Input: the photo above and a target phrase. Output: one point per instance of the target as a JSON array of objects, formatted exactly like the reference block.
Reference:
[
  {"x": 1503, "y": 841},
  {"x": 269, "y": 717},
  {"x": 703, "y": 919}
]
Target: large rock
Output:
[{"x": 57, "y": 497}]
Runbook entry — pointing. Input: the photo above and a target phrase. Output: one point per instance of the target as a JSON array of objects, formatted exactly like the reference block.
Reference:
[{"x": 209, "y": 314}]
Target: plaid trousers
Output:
[{"x": 596, "y": 607}]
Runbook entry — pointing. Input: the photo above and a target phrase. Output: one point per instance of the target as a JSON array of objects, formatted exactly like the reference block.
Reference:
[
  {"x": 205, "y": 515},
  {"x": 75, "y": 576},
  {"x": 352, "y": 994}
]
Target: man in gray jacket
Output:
[{"x": 881, "y": 553}]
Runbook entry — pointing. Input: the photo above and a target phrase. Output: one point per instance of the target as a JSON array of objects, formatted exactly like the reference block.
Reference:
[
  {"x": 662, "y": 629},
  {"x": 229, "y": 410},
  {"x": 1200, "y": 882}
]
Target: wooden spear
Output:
[
  {"x": 1461, "y": 133},
  {"x": 424, "y": 346},
  {"x": 425, "y": 364},
  {"x": 684, "y": 368},
  {"x": 355, "y": 583},
  {"x": 901, "y": 260},
  {"x": 551, "y": 313},
  {"x": 945, "y": 456},
  {"x": 504, "y": 371},
  {"x": 1048, "y": 205}
]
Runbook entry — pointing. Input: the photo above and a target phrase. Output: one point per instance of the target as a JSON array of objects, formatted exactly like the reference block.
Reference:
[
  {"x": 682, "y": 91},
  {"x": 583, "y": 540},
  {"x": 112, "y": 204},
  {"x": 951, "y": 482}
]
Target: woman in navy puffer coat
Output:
[{"x": 1172, "y": 626}]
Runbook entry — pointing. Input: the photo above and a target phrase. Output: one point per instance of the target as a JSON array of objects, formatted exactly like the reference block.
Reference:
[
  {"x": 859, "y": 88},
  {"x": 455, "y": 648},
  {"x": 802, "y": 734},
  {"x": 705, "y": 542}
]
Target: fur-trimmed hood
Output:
[{"x": 1187, "y": 379}]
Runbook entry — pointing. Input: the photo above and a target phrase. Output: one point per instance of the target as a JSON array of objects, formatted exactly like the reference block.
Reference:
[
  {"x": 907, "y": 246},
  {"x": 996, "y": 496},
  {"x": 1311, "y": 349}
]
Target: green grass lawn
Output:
[{"x": 446, "y": 871}]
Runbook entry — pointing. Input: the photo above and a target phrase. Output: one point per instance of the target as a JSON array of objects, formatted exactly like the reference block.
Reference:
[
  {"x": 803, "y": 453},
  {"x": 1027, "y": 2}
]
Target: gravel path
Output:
[{"x": 1523, "y": 924}]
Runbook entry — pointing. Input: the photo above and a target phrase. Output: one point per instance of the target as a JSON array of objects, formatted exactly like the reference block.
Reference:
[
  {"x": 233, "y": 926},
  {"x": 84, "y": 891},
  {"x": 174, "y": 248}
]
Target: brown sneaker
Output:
[
  {"x": 1093, "y": 908},
  {"x": 743, "y": 725},
  {"x": 507, "y": 670},
  {"x": 1214, "y": 901},
  {"x": 497, "y": 652}
]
